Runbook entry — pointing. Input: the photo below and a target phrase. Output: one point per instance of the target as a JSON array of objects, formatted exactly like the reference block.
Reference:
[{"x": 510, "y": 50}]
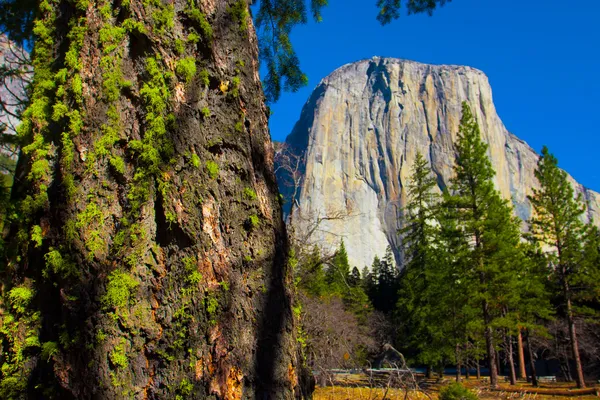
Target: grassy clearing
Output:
[{"x": 352, "y": 387}]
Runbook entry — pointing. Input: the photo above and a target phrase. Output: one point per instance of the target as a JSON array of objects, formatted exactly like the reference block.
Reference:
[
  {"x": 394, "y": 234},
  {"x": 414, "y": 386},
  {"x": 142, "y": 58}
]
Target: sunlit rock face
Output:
[{"x": 360, "y": 132}]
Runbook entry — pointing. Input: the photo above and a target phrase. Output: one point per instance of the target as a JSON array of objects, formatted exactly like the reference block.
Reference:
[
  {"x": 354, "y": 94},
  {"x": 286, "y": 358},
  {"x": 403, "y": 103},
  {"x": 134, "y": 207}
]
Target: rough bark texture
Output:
[
  {"x": 521, "y": 356},
  {"x": 148, "y": 249}
]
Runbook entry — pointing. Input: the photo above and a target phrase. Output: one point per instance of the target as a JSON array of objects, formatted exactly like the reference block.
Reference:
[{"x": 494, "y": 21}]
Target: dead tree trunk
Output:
[{"x": 149, "y": 255}]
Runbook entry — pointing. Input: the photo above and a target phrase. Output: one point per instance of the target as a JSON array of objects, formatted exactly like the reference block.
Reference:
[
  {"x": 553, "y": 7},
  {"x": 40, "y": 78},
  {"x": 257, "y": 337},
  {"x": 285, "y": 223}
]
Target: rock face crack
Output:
[{"x": 365, "y": 134}]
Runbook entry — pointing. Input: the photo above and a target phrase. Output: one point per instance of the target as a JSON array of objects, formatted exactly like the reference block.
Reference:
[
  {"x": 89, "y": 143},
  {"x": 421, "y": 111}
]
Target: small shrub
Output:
[{"x": 456, "y": 391}]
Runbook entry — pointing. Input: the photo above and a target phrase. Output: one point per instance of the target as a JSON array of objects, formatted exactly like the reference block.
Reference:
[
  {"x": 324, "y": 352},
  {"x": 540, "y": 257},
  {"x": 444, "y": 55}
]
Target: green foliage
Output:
[
  {"x": 186, "y": 68},
  {"x": 478, "y": 213},
  {"x": 250, "y": 194},
  {"x": 119, "y": 290},
  {"x": 556, "y": 223},
  {"x": 336, "y": 275},
  {"x": 383, "y": 286},
  {"x": 205, "y": 112},
  {"x": 212, "y": 168},
  {"x": 456, "y": 391}
]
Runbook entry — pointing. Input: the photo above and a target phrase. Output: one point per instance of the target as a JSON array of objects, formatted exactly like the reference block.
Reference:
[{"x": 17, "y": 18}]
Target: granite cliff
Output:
[{"x": 358, "y": 135}]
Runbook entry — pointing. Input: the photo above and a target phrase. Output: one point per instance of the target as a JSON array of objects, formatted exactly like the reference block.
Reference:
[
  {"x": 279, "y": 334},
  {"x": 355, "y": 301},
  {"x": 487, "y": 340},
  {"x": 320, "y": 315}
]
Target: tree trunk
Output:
[
  {"x": 458, "y": 364},
  {"x": 521, "y": 356},
  {"x": 478, "y": 369},
  {"x": 489, "y": 343},
  {"x": 573, "y": 336},
  {"x": 429, "y": 372},
  {"x": 534, "y": 380},
  {"x": 149, "y": 255},
  {"x": 511, "y": 361}
]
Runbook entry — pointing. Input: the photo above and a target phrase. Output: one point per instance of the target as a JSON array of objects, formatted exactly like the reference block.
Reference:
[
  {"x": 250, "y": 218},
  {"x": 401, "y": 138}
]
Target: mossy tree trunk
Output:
[{"x": 148, "y": 252}]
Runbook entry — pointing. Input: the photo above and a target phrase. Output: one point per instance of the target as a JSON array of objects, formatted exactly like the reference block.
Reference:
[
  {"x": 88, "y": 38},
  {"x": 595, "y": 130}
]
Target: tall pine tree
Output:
[
  {"x": 487, "y": 222},
  {"x": 419, "y": 304},
  {"x": 556, "y": 224}
]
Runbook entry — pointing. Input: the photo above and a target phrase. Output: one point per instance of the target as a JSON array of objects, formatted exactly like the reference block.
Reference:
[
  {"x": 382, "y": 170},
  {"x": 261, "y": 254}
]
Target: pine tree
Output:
[
  {"x": 487, "y": 222},
  {"x": 556, "y": 223},
  {"x": 338, "y": 271},
  {"x": 354, "y": 279},
  {"x": 310, "y": 274},
  {"x": 419, "y": 303}
]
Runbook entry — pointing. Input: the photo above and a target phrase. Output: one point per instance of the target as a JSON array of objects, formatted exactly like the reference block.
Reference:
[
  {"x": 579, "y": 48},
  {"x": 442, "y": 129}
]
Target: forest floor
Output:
[{"x": 352, "y": 387}]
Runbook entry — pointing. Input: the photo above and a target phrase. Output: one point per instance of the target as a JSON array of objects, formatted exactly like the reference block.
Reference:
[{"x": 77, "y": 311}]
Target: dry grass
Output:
[
  {"x": 522, "y": 391},
  {"x": 364, "y": 393}
]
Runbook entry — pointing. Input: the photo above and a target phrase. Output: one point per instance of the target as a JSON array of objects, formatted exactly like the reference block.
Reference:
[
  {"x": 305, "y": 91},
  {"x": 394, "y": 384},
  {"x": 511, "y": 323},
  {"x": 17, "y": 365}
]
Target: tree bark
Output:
[
  {"x": 573, "y": 336},
  {"x": 521, "y": 356},
  {"x": 458, "y": 363},
  {"x": 150, "y": 254},
  {"x": 511, "y": 361},
  {"x": 478, "y": 368},
  {"x": 491, "y": 352},
  {"x": 534, "y": 380}
]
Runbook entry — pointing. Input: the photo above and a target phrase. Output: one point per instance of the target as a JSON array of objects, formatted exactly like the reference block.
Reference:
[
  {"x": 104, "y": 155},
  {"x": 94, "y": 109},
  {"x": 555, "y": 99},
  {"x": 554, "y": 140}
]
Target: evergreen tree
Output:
[
  {"x": 419, "y": 302},
  {"x": 384, "y": 289},
  {"x": 556, "y": 223},
  {"x": 354, "y": 279},
  {"x": 487, "y": 222},
  {"x": 310, "y": 275},
  {"x": 338, "y": 271}
]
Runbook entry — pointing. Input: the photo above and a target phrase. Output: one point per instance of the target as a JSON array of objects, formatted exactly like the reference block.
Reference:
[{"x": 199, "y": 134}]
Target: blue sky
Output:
[{"x": 542, "y": 58}]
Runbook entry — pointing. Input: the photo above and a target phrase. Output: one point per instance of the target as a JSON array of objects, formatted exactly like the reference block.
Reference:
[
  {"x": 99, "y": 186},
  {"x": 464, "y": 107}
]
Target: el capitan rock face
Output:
[{"x": 361, "y": 130}]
